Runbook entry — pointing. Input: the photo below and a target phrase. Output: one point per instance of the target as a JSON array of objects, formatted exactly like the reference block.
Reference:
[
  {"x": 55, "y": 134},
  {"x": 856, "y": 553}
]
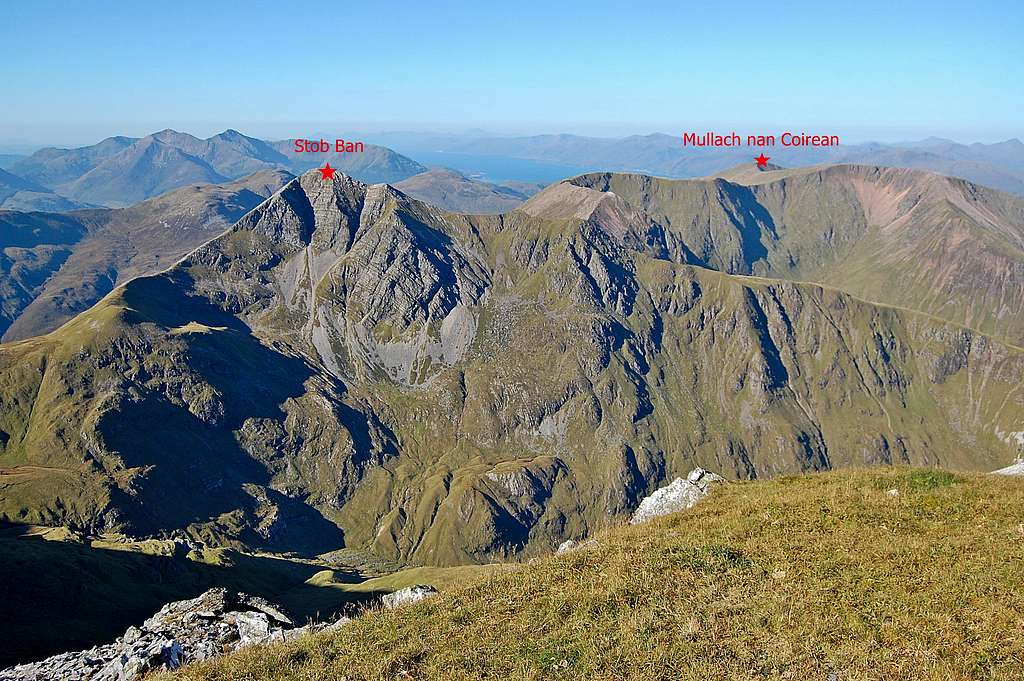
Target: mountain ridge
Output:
[
  {"x": 59, "y": 275},
  {"x": 994, "y": 165},
  {"x": 17, "y": 193},
  {"x": 351, "y": 358},
  {"x": 120, "y": 171},
  {"x": 452, "y": 190},
  {"x": 935, "y": 209}
]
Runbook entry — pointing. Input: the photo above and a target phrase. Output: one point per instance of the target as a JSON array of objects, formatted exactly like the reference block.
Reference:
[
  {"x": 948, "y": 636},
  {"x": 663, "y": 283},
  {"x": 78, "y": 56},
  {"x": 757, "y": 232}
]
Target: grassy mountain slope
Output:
[
  {"x": 128, "y": 242},
  {"x": 349, "y": 366},
  {"x": 55, "y": 266},
  {"x": 454, "y": 191},
  {"x": 901, "y": 237},
  {"x": 799, "y": 577},
  {"x": 32, "y": 247}
]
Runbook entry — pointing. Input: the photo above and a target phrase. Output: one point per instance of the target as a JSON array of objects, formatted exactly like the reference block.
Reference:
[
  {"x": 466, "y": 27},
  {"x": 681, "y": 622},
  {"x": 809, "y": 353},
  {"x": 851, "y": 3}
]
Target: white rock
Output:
[
  {"x": 566, "y": 546},
  {"x": 410, "y": 594},
  {"x": 1016, "y": 468},
  {"x": 678, "y": 495},
  {"x": 195, "y": 629},
  {"x": 573, "y": 545},
  {"x": 253, "y": 627}
]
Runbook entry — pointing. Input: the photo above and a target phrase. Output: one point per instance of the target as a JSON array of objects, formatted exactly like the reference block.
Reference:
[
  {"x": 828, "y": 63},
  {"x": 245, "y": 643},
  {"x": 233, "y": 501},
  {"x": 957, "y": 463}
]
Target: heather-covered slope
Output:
[{"x": 350, "y": 366}]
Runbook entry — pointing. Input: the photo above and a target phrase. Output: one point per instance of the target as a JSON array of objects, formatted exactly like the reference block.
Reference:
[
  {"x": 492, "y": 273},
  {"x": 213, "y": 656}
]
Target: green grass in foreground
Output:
[{"x": 794, "y": 578}]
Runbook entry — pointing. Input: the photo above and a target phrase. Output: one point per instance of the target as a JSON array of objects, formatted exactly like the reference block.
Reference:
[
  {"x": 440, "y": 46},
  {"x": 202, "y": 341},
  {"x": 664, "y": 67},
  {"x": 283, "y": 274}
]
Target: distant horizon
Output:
[{"x": 11, "y": 147}]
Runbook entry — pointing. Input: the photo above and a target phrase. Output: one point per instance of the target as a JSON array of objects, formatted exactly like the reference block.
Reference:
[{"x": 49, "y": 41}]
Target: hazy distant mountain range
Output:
[
  {"x": 17, "y": 193},
  {"x": 120, "y": 171},
  {"x": 454, "y": 191},
  {"x": 999, "y": 165}
]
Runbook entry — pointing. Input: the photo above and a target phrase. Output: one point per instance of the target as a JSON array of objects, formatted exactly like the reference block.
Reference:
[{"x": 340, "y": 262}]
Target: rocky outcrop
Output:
[
  {"x": 679, "y": 495},
  {"x": 1016, "y": 468},
  {"x": 217, "y": 622},
  {"x": 212, "y": 624},
  {"x": 570, "y": 545},
  {"x": 408, "y": 595}
]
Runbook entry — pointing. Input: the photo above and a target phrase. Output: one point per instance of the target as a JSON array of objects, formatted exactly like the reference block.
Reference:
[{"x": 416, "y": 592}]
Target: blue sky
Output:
[{"x": 75, "y": 72}]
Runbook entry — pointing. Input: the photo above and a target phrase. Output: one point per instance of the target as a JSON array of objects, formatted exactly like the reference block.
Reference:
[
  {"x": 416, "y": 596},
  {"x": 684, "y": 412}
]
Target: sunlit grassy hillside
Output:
[{"x": 815, "y": 577}]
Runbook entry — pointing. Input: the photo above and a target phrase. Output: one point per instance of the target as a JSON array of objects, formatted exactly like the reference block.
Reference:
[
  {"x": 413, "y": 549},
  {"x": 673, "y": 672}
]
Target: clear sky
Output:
[{"x": 74, "y": 72}]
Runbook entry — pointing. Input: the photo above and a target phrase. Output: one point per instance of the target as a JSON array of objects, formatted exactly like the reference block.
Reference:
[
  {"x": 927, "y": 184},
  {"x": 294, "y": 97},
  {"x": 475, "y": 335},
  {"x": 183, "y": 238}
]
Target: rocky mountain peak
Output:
[{"x": 352, "y": 365}]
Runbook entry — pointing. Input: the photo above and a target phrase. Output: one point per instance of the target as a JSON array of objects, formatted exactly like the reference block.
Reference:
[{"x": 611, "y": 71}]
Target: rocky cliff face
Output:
[{"x": 350, "y": 366}]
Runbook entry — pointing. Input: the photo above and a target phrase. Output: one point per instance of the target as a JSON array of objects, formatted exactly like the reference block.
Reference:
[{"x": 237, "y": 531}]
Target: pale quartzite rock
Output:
[
  {"x": 1016, "y": 468},
  {"x": 408, "y": 595},
  {"x": 678, "y": 495},
  {"x": 214, "y": 623}
]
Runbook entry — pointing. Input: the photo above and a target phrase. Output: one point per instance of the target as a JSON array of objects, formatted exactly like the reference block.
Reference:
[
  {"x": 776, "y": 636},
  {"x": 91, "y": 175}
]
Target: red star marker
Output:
[
  {"x": 762, "y": 160},
  {"x": 327, "y": 172}
]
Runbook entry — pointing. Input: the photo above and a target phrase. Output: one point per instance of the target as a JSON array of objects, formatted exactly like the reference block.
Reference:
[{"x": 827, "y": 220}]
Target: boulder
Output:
[
  {"x": 408, "y": 595},
  {"x": 678, "y": 495},
  {"x": 572, "y": 545},
  {"x": 1016, "y": 468}
]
